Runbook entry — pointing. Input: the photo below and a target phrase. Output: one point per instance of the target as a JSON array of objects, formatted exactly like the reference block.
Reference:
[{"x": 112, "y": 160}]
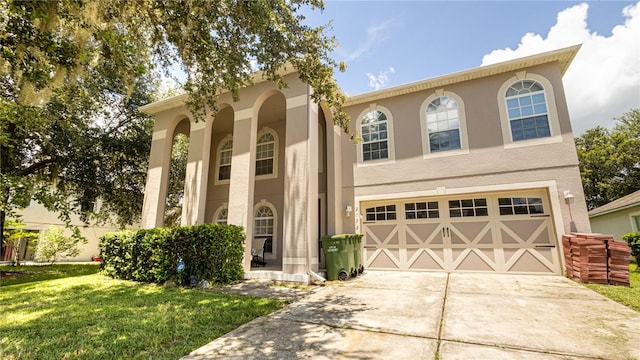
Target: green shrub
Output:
[
  {"x": 52, "y": 245},
  {"x": 633, "y": 239},
  {"x": 210, "y": 252}
]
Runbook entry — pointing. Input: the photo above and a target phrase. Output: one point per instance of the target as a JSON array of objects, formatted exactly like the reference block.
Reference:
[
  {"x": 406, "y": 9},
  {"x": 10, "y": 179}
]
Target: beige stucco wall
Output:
[
  {"x": 616, "y": 223},
  {"x": 292, "y": 193},
  {"x": 487, "y": 163},
  {"x": 38, "y": 218}
]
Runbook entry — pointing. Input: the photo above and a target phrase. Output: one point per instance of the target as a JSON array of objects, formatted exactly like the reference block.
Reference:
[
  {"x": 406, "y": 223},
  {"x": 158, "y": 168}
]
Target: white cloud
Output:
[
  {"x": 603, "y": 82},
  {"x": 379, "y": 81},
  {"x": 376, "y": 34}
]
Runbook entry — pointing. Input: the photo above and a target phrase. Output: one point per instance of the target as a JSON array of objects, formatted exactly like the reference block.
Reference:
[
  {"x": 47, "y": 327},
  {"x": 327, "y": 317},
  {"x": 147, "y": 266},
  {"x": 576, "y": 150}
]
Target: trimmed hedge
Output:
[
  {"x": 633, "y": 239},
  {"x": 210, "y": 252}
]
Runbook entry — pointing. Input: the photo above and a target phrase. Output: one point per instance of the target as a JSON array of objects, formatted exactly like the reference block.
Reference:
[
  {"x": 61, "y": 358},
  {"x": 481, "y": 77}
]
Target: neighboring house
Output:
[
  {"x": 37, "y": 218},
  {"x": 471, "y": 171},
  {"x": 618, "y": 217}
]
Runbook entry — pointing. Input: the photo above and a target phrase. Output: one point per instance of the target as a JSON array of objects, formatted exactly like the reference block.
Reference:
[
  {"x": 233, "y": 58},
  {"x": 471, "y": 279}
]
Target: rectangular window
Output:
[
  {"x": 636, "y": 220},
  {"x": 263, "y": 167},
  {"x": 468, "y": 208},
  {"x": 381, "y": 213},
  {"x": 530, "y": 128},
  {"x": 520, "y": 206},
  {"x": 421, "y": 210},
  {"x": 224, "y": 172}
]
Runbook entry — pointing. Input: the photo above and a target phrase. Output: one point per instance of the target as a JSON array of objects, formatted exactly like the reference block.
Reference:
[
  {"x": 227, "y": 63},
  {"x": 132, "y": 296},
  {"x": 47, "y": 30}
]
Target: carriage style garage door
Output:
[{"x": 510, "y": 232}]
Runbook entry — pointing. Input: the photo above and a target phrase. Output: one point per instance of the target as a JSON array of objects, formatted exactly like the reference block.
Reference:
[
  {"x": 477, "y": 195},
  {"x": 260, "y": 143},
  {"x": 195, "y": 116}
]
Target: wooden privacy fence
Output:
[{"x": 596, "y": 258}]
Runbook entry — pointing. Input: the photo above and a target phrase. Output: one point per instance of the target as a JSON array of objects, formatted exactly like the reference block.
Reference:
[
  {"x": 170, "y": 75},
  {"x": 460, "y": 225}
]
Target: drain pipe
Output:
[{"x": 317, "y": 276}]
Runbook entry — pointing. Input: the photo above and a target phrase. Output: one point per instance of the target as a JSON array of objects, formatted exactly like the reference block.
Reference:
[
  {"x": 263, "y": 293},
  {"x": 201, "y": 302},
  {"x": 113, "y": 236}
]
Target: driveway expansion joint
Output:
[
  {"x": 522, "y": 348},
  {"x": 441, "y": 323}
]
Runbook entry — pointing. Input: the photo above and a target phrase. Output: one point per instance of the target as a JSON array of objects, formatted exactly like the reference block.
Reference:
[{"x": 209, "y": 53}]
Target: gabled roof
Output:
[{"x": 625, "y": 202}]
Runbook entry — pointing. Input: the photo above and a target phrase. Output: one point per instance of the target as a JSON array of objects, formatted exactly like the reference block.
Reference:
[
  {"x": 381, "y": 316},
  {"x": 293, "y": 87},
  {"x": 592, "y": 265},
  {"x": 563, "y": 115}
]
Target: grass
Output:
[
  {"x": 95, "y": 317},
  {"x": 12, "y": 275},
  {"x": 629, "y": 296}
]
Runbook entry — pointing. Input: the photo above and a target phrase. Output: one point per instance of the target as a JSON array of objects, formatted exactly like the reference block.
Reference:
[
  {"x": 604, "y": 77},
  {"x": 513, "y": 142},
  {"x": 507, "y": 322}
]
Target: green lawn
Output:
[
  {"x": 629, "y": 296},
  {"x": 11, "y": 275},
  {"x": 95, "y": 317}
]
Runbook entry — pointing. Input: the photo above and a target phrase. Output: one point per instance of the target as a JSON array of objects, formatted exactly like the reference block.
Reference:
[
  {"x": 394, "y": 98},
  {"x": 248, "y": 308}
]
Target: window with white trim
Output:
[
  {"x": 222, "y": 216},
  {"x": 635, "y": 221},
  {"x": 266, "y": 153},
  {"x": 421, "y": 210},
  {"x": 374, "y": 128},
  {"x": 520, "y": 206},
  {"x": 443, "y": 124},
  {"x": 527, "y": 111},
  {"x": 224, "y": 160},
  {"x": 468, "y": 207},
  {"x": 381, "y": 213},
  {"x": 263, "y": 223}
]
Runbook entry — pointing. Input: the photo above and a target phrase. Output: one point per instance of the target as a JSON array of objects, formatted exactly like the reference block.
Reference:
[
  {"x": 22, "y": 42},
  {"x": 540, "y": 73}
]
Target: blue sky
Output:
[{"x": 389, "y": 43}]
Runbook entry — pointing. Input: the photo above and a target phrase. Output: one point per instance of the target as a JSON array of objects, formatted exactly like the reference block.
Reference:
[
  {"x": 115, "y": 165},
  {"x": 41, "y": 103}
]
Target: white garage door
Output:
[{"x": 509, "y": 232}]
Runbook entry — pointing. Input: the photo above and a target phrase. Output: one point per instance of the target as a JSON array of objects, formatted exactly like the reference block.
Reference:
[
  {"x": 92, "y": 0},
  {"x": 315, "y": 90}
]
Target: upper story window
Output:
[
  {"x": 527, "y": 111},
  {"x": 376, "y": 127},
  {"x": 443, "y": 124},
  {"x": 266, "y": 153},
  {"x": 224, "y": 159},
  {"x": 375, "y": 136}
]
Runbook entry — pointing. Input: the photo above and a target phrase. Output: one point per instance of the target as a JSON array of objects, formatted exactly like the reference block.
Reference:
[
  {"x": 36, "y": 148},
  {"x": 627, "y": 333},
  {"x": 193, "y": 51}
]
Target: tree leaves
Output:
[
  {"x": 73, "y": 72},
  {"x": 610, "y": 160}
]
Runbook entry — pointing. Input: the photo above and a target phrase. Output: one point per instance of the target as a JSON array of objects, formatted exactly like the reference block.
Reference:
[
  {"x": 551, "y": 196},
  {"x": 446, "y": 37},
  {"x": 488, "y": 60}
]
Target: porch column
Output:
[
  {"x": 335, "y": 209},
  {"x": 155, "y": 193},
  {"x": 300, "y": 250},
  {"x": 241, "y": 185},
  {"x": 195, "y": 177}
]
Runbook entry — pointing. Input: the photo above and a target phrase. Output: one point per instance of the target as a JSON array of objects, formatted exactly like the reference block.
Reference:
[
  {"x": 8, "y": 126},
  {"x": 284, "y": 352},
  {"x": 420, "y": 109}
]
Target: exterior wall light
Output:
[
  {"x": 348, "y": 210},
  {"x": 568, "y": 197}
]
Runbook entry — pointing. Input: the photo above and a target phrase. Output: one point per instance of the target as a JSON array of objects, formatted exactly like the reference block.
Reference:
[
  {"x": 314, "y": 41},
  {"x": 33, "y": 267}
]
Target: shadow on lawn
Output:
[{"x": 95, "y": 317}]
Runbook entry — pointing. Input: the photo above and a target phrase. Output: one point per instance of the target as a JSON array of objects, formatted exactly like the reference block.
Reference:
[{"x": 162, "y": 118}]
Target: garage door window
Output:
[
  {"x": 520, "y": 206},
  {"x": 421, "y": 210},
  {"x": 468, "y": 208},
  {"x": 381, "y": 213}
]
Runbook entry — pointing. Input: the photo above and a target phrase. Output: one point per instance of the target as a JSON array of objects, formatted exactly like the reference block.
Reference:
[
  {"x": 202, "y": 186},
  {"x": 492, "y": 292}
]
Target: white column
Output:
[
  {"x": 194, "y": 194},
  {"x": 241, "y": 186},
  {"x": 300, "y": 186},
  {"x": 155, "y": 193}
]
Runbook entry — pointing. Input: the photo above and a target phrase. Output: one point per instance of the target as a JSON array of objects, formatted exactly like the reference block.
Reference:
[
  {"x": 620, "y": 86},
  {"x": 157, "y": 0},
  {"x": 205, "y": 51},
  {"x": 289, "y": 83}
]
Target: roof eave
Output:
[
  {"x": 179, "y": 100},
  {"x": 563, "y": 56},
  {"x": 614, "y": 210}
]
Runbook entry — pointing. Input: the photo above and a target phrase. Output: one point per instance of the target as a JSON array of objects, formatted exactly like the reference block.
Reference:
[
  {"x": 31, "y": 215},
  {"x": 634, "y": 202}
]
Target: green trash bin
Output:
[
  {"x": 338, "y": 255},
  {"x": 357, "y": 253}
]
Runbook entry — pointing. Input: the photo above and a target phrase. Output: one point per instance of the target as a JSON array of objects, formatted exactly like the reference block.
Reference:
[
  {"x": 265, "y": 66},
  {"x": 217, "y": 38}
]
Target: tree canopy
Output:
[
  {"x": 73, "y": 73},
  {"x": 610, "y": 160}
]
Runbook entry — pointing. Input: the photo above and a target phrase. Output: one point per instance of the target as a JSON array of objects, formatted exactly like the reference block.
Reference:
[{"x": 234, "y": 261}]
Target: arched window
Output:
[
  {"x": 443, "y": 124},
  {"x": 376, "y": 130},
  {"x": 221, "y": 217},
  {"x": 527, "y": 111},
  {"x": 266, "y": 153},
  {"x": 224, "y": 159},
  {"x": 263, "y": 226}
]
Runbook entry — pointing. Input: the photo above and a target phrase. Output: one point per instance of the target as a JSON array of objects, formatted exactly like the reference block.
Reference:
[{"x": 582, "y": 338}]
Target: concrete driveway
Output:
[{"x": 405, "y": 315}]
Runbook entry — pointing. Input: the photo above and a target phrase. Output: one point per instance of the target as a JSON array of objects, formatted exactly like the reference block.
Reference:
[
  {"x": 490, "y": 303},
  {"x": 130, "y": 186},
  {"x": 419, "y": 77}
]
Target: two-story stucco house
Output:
[{"x": 471, "y": 171}]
